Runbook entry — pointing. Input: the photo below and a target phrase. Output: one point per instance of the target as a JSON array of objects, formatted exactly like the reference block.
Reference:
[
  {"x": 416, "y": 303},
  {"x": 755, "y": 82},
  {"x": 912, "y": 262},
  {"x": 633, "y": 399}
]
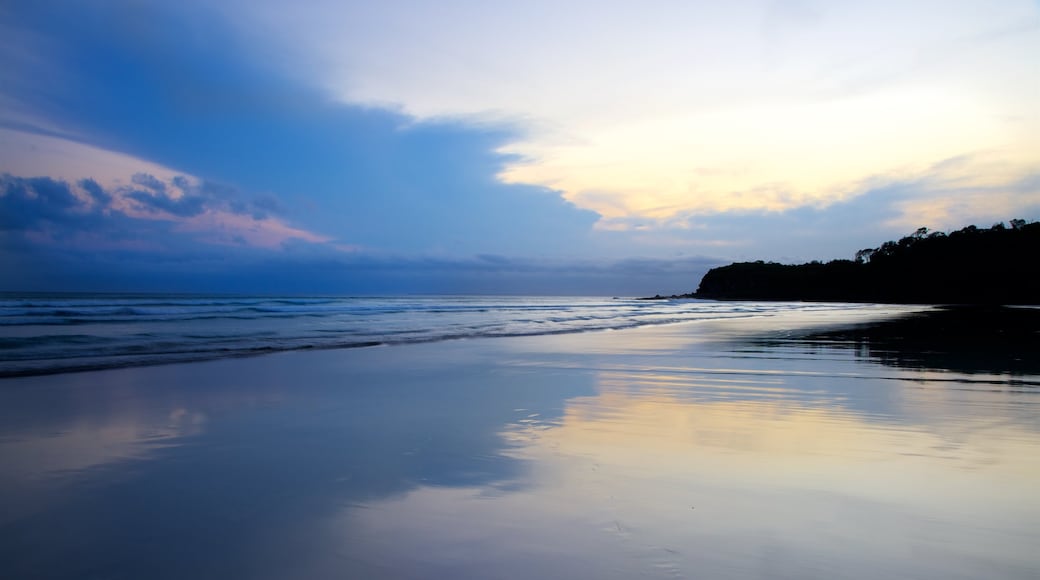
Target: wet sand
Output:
[{"x": 801, "y": 446}]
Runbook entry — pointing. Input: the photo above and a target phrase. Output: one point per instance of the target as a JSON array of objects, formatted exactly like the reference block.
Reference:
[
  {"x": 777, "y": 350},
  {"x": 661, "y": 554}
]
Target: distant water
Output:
[{"x": 51, "y": 333}]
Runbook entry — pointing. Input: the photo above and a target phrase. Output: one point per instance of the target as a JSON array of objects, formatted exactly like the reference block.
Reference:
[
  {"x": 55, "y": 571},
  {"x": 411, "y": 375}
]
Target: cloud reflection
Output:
[
  {"x": 552, "y": 456},
  {"x": 666, "y": 475}
]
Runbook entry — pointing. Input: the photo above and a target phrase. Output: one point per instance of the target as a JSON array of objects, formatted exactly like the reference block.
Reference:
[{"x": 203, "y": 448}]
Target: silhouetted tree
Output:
[{"x": 970, "y": 265}]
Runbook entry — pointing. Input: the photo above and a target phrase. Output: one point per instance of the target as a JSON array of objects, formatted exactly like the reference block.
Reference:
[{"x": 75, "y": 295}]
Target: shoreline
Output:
[{"x": 166, "y": 359}]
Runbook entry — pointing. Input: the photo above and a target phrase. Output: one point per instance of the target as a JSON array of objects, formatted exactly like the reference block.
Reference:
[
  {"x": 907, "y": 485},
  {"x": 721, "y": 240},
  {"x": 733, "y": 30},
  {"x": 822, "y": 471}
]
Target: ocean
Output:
[
  {"x": 54, "y": 333},
  {"x": 515, "y": 438}
]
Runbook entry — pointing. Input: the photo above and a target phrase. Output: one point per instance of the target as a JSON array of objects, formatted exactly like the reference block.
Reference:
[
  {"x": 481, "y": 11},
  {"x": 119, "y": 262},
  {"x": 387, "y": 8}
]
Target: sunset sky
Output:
[{"x": 479, "y": 147}]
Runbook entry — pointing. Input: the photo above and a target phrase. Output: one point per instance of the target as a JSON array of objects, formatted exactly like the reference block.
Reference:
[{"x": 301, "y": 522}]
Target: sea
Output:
[
  {"x": 426, "y": 437},
  {"x": 55, "y": 333}
]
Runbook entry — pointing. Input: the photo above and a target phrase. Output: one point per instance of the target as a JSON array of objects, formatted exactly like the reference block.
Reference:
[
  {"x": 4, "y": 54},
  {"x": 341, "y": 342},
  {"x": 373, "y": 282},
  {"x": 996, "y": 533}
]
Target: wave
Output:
[{"x": 46, "y": 335}]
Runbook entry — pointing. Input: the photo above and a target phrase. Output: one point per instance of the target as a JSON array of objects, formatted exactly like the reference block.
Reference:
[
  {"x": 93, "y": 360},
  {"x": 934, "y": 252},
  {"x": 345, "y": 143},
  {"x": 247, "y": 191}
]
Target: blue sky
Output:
[{"x": 541, "y": 147}]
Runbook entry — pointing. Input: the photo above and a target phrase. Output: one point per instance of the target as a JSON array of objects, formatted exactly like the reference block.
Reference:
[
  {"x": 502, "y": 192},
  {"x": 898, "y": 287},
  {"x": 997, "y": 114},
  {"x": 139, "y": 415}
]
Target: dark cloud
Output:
[
  {"x": 96, "y": 191},
  {"x": 29, "y": 203},
  {"x": 148, "y": 181},
  {"x": 44, "y": 204},
  {"x": 184, "y": 206},
  {"x": 265, "y": 205},
  {"x": 181, "y": 182}
]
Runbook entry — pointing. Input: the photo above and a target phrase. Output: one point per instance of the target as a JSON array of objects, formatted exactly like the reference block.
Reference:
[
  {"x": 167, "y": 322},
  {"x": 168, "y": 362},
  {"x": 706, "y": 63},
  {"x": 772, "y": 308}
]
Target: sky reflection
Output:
[
  {"x": 766, "y": 475},
  {"x": 267, "y": 449},
  {"x": 680, "y": 455}
]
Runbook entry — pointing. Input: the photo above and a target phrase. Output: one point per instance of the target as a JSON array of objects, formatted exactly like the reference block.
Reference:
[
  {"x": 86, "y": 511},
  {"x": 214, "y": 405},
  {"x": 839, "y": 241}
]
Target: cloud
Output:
[
  {"x": 670, "y": 108},
  {"x": 189, "y": 95},
  {"x": 310, "y": 269},
  {"x": 405, "y": 147},
  {"x": 27, "y": 153},
  {"x": 163, "y": 215},
  {"x": 184, "y": 206},
  {"x": 182, "y": 235},
  {"x": 152, "y": 183},
  {"x": 162, "y": 235},
  {"x": 947, "y": 196},
  {"x": 95, "y": 191}
]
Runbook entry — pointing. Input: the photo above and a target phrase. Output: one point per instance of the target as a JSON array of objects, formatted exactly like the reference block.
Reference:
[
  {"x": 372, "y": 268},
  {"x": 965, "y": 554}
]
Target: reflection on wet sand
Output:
[
  {"x": 228, "y": 469},
  {"x": 733, "y": 449},
  {"x": 996, "y": 340},
  {"x": 666, "y": 475}
]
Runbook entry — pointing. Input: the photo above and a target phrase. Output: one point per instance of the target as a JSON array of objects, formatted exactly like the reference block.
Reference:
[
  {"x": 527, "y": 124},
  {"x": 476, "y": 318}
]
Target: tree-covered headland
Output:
[{"x": 999, "y": 265}]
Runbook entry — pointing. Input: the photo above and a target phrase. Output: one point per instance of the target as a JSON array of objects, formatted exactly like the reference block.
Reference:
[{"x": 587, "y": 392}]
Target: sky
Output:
[{"x": 539, "y": 147}]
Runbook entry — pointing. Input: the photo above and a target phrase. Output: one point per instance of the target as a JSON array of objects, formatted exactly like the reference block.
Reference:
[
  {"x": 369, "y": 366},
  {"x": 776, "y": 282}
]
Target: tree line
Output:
[{"x": 998, "y": 265}]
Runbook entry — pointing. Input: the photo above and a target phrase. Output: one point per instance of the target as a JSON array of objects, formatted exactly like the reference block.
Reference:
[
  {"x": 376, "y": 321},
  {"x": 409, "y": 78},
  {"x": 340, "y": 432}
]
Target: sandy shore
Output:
[{"x": 746, "y": 448}]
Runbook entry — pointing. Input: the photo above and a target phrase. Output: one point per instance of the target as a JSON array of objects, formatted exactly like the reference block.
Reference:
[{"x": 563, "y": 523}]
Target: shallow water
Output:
[
  {"x": 53, "y": 333},
  {"x": 716, "y": 449}
]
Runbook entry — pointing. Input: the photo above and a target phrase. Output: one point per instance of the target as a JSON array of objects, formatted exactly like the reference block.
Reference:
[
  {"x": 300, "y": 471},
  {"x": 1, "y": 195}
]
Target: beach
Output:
[{"x": 767, "y": 444}]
